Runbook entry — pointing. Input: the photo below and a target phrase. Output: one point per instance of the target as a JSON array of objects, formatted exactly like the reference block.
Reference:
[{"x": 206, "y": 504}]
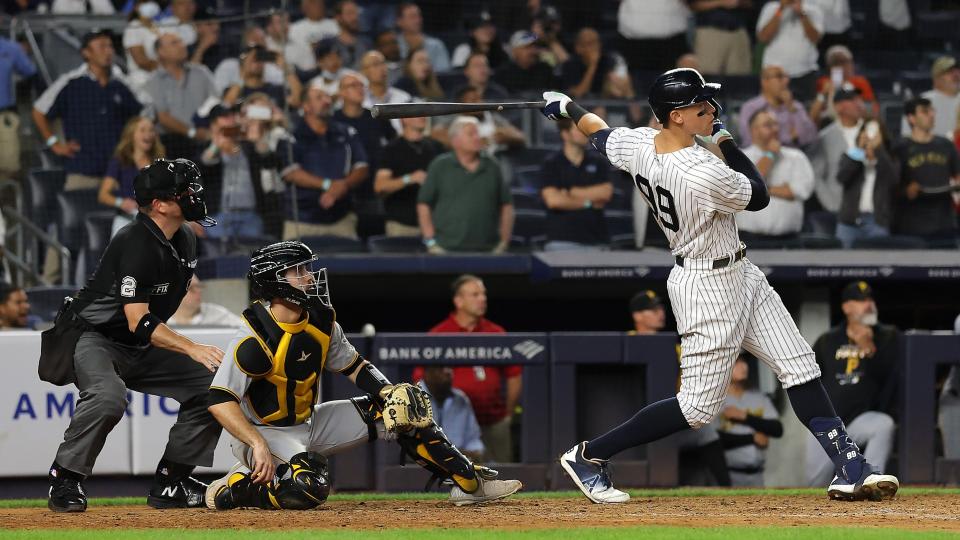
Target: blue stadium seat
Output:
[
  {"x": 97, "y": 226},
  {"x": 41, "y": 185},
  {"x": 46, "y": 301},
  {"x": 329, "y": 243},
  {"x": 525, "y": 199},
  {"x": 530, "y": 223},
  {"x": 822, "y": 222},
  {"x": 395, "y": 244},
  {"x": 618, "y": 222},
  {"x": 623, "y": 242},
  {"x": 819, "y": 241},
  {"x": 73, "y": 206},
  {"x": 890, "y": 242}
]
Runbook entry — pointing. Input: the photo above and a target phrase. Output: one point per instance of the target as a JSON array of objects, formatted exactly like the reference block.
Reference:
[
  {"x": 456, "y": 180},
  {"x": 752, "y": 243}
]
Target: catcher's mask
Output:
[{"x": 269, "y": 277}]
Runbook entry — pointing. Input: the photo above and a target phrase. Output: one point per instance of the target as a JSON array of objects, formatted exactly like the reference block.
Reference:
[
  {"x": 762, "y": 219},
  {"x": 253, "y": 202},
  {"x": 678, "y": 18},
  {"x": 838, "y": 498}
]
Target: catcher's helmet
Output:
[
  {"x": 269, "y": 264},
  {"x": 173, "y": 180},
  {"x": 679, "y": 88}
]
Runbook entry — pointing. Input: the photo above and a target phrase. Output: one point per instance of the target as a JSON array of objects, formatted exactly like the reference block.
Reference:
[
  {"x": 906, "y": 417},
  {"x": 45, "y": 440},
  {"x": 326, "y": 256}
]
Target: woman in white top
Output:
[{"x": 138, "y": 40}]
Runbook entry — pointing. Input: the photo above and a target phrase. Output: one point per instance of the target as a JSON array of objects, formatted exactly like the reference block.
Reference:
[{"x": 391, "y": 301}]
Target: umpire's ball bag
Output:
[{"x": 58, "y": 344}]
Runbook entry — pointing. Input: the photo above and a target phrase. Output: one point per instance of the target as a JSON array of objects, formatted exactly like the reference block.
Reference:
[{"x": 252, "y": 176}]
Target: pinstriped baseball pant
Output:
[{"x": 719, "y": 312}]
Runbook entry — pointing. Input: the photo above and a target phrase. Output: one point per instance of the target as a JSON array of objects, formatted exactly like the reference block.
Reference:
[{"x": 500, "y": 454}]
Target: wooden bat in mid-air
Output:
[{"x": 414, "y": 110}]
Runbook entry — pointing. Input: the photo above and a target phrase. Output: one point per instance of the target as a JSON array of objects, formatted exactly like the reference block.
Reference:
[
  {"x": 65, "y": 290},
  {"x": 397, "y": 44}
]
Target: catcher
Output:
[{"x": 267, "y": 396}]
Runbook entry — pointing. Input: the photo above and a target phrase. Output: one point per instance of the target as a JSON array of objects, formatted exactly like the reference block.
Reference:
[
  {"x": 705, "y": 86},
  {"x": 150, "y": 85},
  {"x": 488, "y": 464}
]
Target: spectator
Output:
[
  {"x": 253, "y": 69},
  {"x": 374, "y": 133},
  {"x": 271, "y": 124},
  {"x": 546, "y": 26},
  {"x": 831, "y": 143},
  {"x": 699, "y": 448},
  {"x": 945, "y": 95},
  {"x": 464, "y": 204},
  {"x": 653, "y": 33},
  {"x": 575, "y": 187},
  {"x": 747, "y": 422},
  {"x": 411, "y": 37},
  {"x": 329, "y": 67},
  {"x": 180, "y": 21},
  {"x": 93, "y": 105},
  {"x": 227, "y": 73},
  {"x": 80, "y": 7},
  {"x": 304, "y": 34},
  {"x": 494, "y": 391},
  {"x": 483, "y": 41},
  {"x": 949, "y": 417},
  {"x": 790, "y": 30},
  {"x": 870, "y": 177},
  {"x": 375, "y": 69},
  {"x": 836, "y": 24},
  {"x": 453, "y": 411},
  {"x": 177, "y": 89},
  {"x": 592, "y": 71},
  {"x": 525, "y": 72},
  {"x": 12, "y": 61},
  {"x": 328, "y": 160},
  {"x": 193, "y": 311},
  {"x": 722, "y": 42},
  {"x": 496, "y": 132},
  {"x": 789, "y": 178},
  {"x": 926, "y": 161},
  {"x": 840, "y": 65},
  {"x": 138, "y": 41},
  {"x": 477, "y": 72},
  {"x": 15, "y": 309},
  {"x": 207, "y": 50},
  {"x": 419, "y": 79},
  {"x": 139, "y": 146},
  {"x": 277, "y": 34},
  {"x": 377, "y": 15},
  {"x": 233, "y": 167},
  {"x": 403, "y": 169},
  {"x": 351, "y": 44},
  {"x": 895, "y": 33},
  {"x": 858, "y": 359},
  {"x": 388, "y": 44},
  {"x": 796, "y": 128}
]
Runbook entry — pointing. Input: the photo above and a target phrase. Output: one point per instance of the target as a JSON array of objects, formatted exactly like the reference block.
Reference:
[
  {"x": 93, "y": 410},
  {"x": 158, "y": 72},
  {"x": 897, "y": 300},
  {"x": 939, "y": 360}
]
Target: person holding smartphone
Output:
[
  {"x": 253, "y": 62},
  {"x": 869, "y": 177}
]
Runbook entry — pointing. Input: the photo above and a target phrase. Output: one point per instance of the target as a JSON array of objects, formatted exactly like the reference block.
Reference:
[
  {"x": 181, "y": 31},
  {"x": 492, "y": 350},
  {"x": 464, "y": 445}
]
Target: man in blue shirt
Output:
[
  {"x": 93, "y": 103},
  {"x": 452, "y": 411},
  {"x": 12, "y": 60},
  {"x": 325, "y": 161}
]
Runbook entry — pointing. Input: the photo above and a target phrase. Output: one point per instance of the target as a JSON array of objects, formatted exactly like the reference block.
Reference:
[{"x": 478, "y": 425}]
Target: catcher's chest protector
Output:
[{"x": 285, "y": 362}]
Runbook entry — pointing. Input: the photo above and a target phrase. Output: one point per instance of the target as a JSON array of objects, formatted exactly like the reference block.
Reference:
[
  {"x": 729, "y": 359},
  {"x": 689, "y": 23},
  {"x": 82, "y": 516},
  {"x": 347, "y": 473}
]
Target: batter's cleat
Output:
[
  {"x": 489, "y": 490},
  {"x": 219, "y": 489},
  {"x": 185, "y": 493},
  {"x": 592, "y": 476},
  {"x": 66, "y": 494},
  {"x": 872, "y": 486}
]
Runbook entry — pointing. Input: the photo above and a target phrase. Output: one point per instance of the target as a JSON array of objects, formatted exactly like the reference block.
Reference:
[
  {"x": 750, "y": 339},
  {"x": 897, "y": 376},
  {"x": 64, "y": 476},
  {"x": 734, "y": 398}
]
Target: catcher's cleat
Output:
[
  {"x": 592, "y": 476},
  {"x": 489, "y": 490},
  {"x": 66, "y": 494},
  {"x": 214, "y": 490},
  {"x": 872, "y": 486},
  {"x": 184, "y": 493}
]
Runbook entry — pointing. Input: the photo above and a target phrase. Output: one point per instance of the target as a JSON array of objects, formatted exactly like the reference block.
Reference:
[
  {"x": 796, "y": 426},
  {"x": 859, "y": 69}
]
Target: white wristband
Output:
[{"x": 52, "y": 140}]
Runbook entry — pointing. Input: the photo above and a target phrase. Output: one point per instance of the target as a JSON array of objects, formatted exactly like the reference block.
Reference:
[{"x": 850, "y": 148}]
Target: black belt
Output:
[{"x": 722, "y": 262}]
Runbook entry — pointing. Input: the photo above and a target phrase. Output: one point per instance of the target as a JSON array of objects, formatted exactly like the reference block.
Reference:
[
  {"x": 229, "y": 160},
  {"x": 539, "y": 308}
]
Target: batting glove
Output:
[
  {"x": 556, "y": 107},
  {"x": 719, "y": 133}
]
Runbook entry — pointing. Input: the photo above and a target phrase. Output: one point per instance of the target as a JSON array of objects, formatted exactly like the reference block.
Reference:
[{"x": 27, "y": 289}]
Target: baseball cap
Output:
[
  {"x": 847, "y": 91},
  {"x": 858, "y": 290},
  {"x": 645, "y": 300},
  {"x": 482, "y": 19},
  {"x": 93, "y": 34},
  {"x": 942, "y": 65},
  {"x": 324, "y": 47},
  {"x": 522, "y": 38}
]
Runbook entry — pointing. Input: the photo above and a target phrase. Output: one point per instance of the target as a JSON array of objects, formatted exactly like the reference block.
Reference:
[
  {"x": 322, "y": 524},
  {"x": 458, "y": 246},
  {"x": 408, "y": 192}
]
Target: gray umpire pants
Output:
[
  {"x": 334, "y": 427},
  {"x": 105, "y": 370},
  {"x": 872, "y": 429}
]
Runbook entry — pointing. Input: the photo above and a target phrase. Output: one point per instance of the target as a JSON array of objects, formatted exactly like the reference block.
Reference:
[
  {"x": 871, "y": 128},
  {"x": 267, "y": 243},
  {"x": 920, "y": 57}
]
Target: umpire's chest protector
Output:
[{"x": 284, "y": 362}]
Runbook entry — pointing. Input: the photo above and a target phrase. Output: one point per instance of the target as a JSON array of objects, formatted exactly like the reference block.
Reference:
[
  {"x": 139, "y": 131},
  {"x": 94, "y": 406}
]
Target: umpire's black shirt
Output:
[{"x": 139, "y": 266}]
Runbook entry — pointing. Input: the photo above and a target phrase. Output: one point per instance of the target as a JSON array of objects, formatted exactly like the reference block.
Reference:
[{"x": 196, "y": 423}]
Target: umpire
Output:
[{"x": 111, "y": 337}]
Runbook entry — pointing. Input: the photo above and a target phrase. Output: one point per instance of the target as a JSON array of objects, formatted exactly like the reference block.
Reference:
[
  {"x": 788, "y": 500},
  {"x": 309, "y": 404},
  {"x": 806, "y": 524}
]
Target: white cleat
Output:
[
  {"x": 214, "y": 487},
  {"x": 873, "y": 487},
  {"x": 489, "y": 490},
  {"x": 591, "y": 476}
]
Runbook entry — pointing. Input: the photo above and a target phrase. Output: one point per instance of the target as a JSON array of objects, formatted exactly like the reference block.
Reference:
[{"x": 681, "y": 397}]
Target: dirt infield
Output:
[{"x": 927, "y": 512}]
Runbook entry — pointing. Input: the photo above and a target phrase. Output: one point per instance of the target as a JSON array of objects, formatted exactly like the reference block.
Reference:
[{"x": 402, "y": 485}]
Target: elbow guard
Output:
[{"x": 147, "y": 326}]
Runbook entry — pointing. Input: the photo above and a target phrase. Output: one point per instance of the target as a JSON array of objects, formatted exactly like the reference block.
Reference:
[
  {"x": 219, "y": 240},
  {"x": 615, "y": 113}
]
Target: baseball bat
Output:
[{"x": 413, "y": 110}]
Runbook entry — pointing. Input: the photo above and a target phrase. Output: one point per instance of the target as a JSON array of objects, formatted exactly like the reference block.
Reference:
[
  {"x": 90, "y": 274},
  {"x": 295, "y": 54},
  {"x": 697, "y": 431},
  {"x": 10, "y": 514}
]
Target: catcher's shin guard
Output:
[
  {"x": 433, "y": 451},
  {"x": 303, "y": 484},
  {"x": 241, "y": 492}
]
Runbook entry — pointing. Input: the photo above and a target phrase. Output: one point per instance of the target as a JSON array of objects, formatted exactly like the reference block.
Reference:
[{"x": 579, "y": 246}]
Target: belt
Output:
[{"x": 722, "y": 262}]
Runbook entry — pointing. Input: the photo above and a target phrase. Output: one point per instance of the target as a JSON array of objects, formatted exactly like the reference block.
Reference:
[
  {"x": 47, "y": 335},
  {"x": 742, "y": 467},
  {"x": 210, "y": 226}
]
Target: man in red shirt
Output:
[{"x": 494, "y": 391}]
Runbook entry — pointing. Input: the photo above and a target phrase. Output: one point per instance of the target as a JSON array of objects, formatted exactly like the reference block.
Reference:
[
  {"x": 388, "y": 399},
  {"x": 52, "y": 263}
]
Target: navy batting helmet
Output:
[{"x": 679, "y": 88}]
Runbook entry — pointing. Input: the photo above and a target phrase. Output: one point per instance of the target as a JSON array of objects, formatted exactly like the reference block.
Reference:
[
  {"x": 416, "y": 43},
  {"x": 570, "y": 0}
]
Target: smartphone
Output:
[
  {"x": 836, "y": 77},
  {"x": 259, "y": 112},
  {"x": 263, "y": 55},
  {"x": 872, "y": 129}
]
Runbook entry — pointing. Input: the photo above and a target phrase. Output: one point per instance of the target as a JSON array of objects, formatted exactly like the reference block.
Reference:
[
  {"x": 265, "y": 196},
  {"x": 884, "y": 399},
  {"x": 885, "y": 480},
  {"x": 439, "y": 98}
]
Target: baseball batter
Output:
[{"x": 722, "y": 301}]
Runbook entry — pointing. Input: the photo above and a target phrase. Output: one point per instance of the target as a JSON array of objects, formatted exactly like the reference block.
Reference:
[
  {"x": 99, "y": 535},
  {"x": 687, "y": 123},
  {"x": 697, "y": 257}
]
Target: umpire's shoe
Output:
[
  {"x": 174, "y": 488},
  {"x": 66, "y": 494},
  {"x": 872, "y": 485},
  {"x": 592, "y": 476}
]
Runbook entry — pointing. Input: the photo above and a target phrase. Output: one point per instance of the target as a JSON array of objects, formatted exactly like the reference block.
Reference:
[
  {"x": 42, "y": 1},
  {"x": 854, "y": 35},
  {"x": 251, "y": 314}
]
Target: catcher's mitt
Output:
[{"x": 406, "y": 407}]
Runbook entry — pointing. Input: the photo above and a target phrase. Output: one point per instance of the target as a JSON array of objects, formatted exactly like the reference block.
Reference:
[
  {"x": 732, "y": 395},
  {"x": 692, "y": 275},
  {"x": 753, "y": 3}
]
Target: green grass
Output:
[
  {"x": 639, "y": 493},
  {"x": 625, "y": 533}
]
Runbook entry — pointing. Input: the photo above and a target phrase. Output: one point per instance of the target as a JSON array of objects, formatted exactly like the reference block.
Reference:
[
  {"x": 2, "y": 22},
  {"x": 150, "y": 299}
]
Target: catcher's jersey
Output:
[
  {"x": 273, "y": 369},
  {"x": 692, "y": 193}
]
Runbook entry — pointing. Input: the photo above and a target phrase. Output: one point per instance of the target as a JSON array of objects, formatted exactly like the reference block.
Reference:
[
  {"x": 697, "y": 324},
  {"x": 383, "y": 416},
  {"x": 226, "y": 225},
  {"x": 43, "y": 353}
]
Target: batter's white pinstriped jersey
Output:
[
  {"x": 692, "y": 193},
  {"x": 694, "y": 196}
]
